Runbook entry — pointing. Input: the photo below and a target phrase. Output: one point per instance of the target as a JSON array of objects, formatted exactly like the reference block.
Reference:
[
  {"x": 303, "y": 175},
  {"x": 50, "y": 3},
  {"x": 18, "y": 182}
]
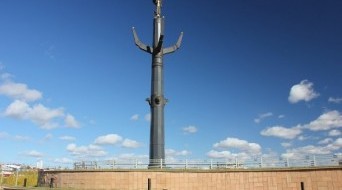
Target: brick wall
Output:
[{"x": 271, "y": 179}]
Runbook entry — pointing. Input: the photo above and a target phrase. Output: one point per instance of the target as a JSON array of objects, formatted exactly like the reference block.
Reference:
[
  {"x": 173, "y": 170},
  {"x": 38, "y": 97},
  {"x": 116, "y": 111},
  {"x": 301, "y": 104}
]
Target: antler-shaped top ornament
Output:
[{"x": 158, "y": 35}]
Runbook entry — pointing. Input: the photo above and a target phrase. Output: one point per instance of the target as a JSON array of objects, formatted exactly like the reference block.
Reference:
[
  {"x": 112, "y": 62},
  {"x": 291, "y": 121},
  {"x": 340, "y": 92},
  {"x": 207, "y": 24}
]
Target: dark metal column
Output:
[{"x": 157, "y": 100}]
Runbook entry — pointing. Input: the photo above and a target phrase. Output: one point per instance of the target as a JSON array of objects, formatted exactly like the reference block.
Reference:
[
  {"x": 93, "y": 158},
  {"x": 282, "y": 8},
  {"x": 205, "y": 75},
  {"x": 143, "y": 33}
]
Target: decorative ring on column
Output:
[{"x": 157, "y": 101}]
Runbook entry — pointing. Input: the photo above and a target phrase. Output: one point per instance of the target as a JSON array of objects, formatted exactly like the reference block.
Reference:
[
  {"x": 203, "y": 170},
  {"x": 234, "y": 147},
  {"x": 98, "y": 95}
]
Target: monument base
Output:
[{"x": 156, "y": 166}]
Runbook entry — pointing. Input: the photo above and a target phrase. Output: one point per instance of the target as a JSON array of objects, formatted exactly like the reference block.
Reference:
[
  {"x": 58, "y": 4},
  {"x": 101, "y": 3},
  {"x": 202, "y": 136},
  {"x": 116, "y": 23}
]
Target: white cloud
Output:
[
  {"x": 21, "y": 138},
  {"x": 302, "y": 137},
  {"x": 130, "y": 156},
  {"x": 326, "y": 141},
  {"x": 335, "y": 100},
  {"x": 67, "y": 138},
  {"x": 21, "y": 109},
  {"x": 286, "y": 144},
  {"x": 44, "y": 117},
  {"x": 148, "y": 117},
  {"x": 219, "y": 154},
  {"x": 128, "y": 143},
  {"x": 190, "y": 129},
  {"x": 3, "y": 135},
  {"x": 307, "y": 150},
  {"x": 242, "y": 145},
  {"x": 135, "y": 117},
  {"x": 2, "y": 66},
  {"x": 5, "y": 76},
  {"x": 228, "y": 155},
  {"x": 326, "y": 121},
  {"x": 34, "y": 153},
  {"x": 335, "y": 146},
  {"x": 47, "y": 137},
  {"x": 334, "y": 133},
  {"x": 288, "y": 155},
  {"x": 172, "y": 152},
  {"x": 281, "y": 132},
  {"x": 109, "y": 139},
  {"x": 86, "y": 151},
  {"x": 18, "y": 109},
  {"x": 302, "y": 92},
  {"x": 49, "y": 125},
  {"x": 63, "y": 161},
  {"x": 262, "y": 117},
  {"x": 19, "y": 91},
  {"x": 338, "y": 143},
  {"x": 281, "y": 116},
  {"x": 315, "y": 150},
  {"x": 92, "y": 122},
  {"x": 49, "y": 52},
  {"x": 71, "y": 122}
]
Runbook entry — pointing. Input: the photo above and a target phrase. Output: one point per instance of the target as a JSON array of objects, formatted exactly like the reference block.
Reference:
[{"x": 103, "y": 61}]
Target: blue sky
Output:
[{"x": 251, "y": 78}]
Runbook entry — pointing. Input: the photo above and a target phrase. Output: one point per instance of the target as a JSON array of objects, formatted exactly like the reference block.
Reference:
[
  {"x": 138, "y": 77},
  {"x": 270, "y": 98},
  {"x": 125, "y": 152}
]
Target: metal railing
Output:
[{"x": 238, "y": 163}]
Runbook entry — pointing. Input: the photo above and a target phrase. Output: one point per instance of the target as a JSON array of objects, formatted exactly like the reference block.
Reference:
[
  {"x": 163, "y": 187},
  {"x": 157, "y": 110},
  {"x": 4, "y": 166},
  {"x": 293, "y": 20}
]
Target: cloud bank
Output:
[{"x": 24, "y": 108}]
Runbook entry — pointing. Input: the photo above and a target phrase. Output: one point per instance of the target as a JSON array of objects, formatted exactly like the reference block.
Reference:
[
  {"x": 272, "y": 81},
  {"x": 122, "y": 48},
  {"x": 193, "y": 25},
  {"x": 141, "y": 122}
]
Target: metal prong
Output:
[
  {"x": 138, "y": 43},
  {"x": 174, "y": 47}
]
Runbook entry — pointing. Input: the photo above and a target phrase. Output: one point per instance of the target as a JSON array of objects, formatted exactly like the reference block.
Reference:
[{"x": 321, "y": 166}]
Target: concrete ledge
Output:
[{"x": 223, "y": 170}]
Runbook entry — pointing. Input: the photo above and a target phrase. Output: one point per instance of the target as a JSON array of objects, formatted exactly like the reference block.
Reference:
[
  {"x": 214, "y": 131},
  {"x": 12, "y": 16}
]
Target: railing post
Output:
[
  {"x": 186, "y": 163},
  {"x": 261, "y": 164},
  {"x": 211, "y": 163},
  {"x": 236, "y": 162},
  {"x": 161, "y": 163}
]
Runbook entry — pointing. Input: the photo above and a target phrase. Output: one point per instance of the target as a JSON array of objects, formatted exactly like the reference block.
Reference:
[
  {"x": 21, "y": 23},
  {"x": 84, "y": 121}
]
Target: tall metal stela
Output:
[{"x": 157, "y": 100}]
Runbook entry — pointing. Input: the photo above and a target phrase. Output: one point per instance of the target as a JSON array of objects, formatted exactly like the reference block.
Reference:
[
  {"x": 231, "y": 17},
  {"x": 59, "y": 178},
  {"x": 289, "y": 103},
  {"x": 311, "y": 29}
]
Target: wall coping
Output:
[{"x": 166, "y": 170}]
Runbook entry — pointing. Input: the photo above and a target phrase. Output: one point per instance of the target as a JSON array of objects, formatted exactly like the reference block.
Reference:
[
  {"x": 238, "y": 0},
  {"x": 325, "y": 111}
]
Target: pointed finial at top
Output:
[{"x": 158, "y": 3}]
